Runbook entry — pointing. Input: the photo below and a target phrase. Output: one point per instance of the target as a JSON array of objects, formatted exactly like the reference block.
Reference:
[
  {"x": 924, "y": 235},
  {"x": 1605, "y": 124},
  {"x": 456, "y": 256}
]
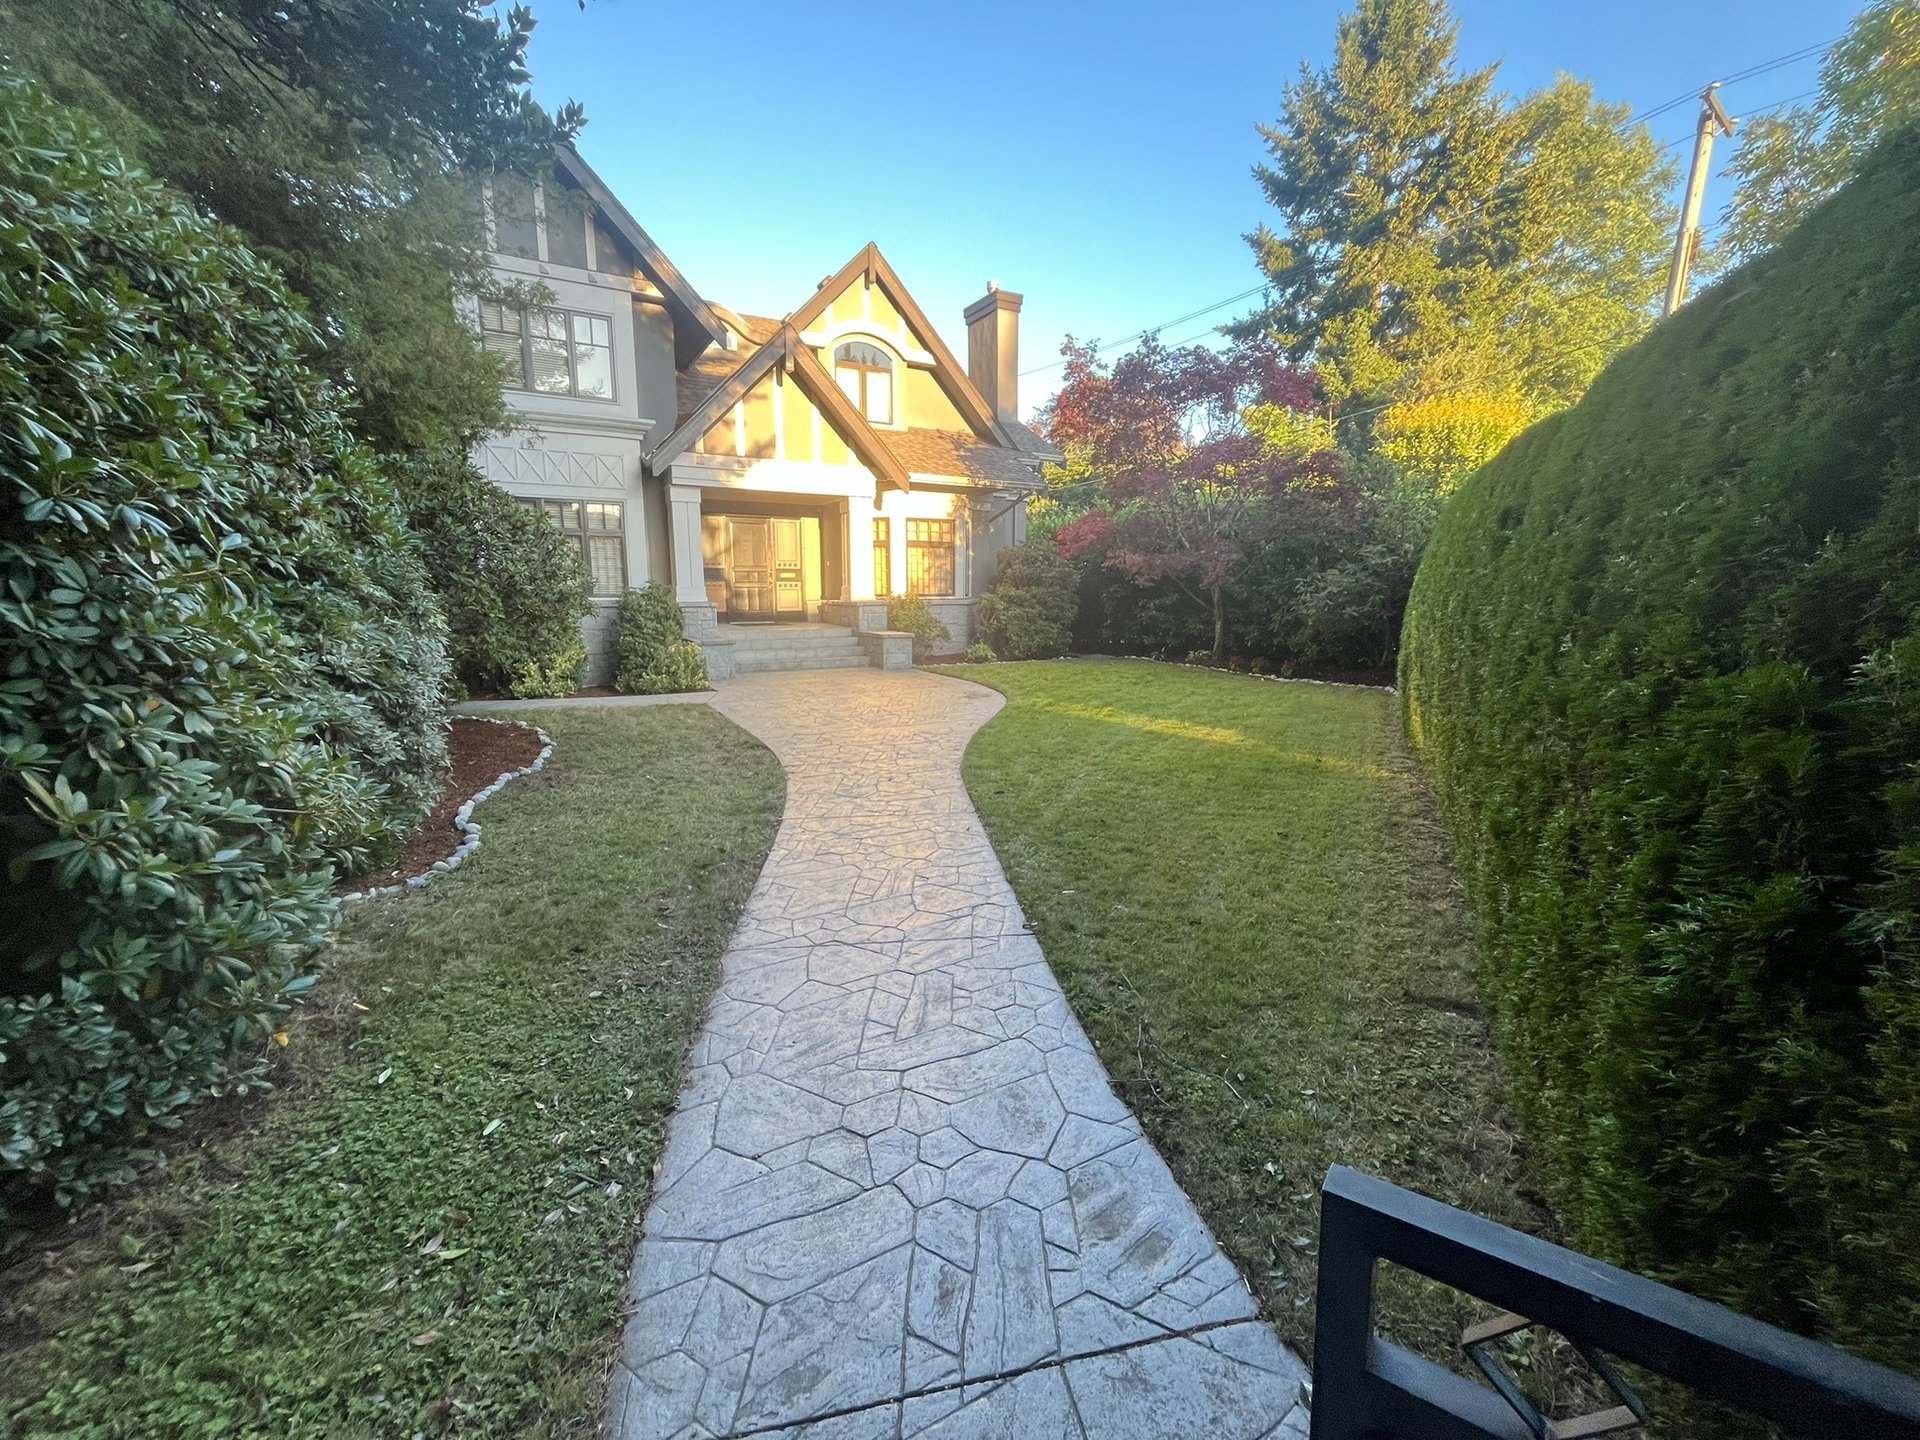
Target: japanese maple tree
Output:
[{"x": 1182, "y": 442}]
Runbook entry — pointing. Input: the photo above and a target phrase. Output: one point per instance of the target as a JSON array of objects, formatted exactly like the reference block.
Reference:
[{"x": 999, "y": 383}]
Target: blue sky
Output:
[{"x": 1094, "y": 158}]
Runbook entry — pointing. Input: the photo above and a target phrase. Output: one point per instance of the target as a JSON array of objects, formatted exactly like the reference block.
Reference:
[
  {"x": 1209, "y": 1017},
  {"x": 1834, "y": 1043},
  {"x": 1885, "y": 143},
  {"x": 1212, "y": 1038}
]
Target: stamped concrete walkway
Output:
[{"x": 899, "y": 1197}]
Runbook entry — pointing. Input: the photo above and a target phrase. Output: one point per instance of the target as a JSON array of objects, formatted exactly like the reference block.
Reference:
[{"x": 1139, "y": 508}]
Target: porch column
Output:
[
  {"x": 860, "y": 549},
  {"x": 689, "y": 566}
]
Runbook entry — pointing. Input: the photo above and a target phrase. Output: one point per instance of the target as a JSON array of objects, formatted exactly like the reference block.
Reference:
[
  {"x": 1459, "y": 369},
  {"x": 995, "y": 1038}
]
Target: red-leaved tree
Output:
[{"x": 1191, "y": 488}]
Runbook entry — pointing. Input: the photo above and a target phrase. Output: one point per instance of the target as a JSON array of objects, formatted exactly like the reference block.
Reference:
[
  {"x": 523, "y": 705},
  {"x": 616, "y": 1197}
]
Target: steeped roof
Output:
[
  {"x": 871, "y": 265},
  {"x": 787, "y": 352},
  {"x": 695, "y": 325},
  {"x": 956, "y": 452}
]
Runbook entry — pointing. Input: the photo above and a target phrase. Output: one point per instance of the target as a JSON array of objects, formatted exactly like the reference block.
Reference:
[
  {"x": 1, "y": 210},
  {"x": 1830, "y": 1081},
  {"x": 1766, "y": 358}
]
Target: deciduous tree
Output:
[
  {"x": 1191, "y": 489},
  {"x": 1789, "y": 162},
  {"x": 332, "y": 136}
]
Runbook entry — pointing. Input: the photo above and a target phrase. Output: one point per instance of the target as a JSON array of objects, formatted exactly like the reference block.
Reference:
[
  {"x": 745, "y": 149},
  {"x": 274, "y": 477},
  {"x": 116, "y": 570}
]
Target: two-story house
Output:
[{"x": 783, "y": 476}]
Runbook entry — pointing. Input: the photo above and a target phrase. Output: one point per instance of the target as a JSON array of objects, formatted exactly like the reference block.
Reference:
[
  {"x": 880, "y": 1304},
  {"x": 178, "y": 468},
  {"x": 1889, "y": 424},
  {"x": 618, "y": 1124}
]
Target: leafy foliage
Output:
[
  {"x": 980, "y": 653},
  {"x": 222, "y": 662},
  {"x": 556, "y": 673},
  {"x": 1434, "y": 236},
  {"x": 914, "y": 615},
  {"x": 1788, "y": 162},
  {"x": 446, "y": 1087},
  {"x": 1663, "y": 662},
  {"x": 332, "y": 137},
  {"x": 1029, "y": 612},
  {"x": 513, "y": 587},
  {"x": 1191, "y": 489},
  {"x": 1437, "y": 442},
  {"x": 656, "y": 658}
]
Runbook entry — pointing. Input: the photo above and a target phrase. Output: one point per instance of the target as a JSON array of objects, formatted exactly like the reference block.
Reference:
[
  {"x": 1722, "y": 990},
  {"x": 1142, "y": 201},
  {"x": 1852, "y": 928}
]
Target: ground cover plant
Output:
[
  {"x": 1662, "y": 663},
  {"x": 430, "y": 1229},
  {"x": 221, "y": 665},
  {"x": 1251, "y": 911}
]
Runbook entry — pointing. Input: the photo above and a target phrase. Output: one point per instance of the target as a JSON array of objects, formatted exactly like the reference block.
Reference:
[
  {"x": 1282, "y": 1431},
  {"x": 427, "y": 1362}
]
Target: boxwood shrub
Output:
[
  {"x": 221, "y": 667},
  {"x": 656, "y": 658},
  {"x": 1663, "y": 663}
]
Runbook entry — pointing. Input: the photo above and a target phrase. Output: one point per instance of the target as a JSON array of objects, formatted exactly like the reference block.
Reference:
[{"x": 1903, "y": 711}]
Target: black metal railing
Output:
[{"x": 1366, "y": 1388}]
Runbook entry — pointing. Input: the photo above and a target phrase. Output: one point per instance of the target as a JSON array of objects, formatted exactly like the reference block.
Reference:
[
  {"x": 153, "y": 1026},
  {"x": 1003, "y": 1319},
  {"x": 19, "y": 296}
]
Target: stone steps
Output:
[{"x": 757, "y": 664}]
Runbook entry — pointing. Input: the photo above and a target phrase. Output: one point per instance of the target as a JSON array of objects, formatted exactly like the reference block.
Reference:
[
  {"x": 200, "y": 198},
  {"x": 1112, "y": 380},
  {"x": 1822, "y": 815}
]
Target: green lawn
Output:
[
  {"x": 429, "y": 1229},
  {"x": 1249, "y": 903}
]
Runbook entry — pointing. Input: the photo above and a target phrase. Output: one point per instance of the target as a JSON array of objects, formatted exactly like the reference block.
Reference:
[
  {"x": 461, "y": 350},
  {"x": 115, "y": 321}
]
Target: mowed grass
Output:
[
  {"x": 1244, "y": 894},
  {"x": 429, "y": 1230}
]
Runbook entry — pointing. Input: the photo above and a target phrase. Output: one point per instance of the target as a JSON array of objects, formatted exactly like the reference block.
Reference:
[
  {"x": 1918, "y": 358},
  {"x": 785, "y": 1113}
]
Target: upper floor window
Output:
[
  {"x": 554, "y": 352},
  {"x": 865, "y": 373}
]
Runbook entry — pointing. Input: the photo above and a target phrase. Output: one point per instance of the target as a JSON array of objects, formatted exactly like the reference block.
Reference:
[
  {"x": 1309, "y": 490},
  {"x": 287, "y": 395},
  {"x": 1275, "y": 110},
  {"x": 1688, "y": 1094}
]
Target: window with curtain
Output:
[
  {"x": 598, "y": 530},
  {"x": 865, "y": 375},
  {"x": 553, "y": 352},
  {"x": 930, "y": 557},
  {"x": 883, "y": 557}
]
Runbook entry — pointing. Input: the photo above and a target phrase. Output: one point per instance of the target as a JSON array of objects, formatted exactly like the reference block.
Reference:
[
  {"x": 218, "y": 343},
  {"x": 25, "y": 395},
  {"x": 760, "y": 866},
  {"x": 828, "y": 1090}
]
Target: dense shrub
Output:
[
  {"x": 912, "y": 614},
  {"x": 1029, "y": 612},
  {"x": 513, "y": 587},
  {"x": 980, "y": 653},
  {"x": 559, "y": 673},
  {"x": 222, "y": 662},
  {"x": 1663, "y": 661},
  {"x": 656, "y": 658}
]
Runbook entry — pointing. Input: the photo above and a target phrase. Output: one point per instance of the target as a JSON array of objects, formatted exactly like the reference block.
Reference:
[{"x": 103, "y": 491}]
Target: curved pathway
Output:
[{"x": 899, "y": 1197}]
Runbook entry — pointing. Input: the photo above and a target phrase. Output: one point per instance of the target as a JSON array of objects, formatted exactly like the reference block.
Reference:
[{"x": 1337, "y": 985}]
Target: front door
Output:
[
  {"x": 750, "y": 585},
  {"x": 789, "y": 597}
]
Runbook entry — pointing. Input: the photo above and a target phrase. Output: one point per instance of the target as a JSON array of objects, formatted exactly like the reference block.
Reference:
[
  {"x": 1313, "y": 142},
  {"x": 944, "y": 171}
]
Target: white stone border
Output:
[{"x": 463, "y": 818}]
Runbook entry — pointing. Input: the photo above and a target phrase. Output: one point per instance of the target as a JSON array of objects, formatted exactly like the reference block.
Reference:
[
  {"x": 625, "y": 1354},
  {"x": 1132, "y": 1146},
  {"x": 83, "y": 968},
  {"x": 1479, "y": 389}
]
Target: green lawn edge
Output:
[
  {"x": 1248, "y": 900},
  {"x": 429, "y": 1229}
]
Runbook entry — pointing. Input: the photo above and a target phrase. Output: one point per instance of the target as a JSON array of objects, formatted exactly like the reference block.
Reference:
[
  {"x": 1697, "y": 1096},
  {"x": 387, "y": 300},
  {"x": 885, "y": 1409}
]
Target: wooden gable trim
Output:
[
  {"x": 870, "y": 265},
  {"x": 817, "y": 385},
  {"x": 695, "y": 326},
  {"x": 791, "y": 354}
]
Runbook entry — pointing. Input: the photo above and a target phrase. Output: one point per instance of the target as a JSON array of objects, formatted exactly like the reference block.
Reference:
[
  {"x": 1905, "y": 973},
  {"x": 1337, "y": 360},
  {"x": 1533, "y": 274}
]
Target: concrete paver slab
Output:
[{"x": 900, "y": 1197}]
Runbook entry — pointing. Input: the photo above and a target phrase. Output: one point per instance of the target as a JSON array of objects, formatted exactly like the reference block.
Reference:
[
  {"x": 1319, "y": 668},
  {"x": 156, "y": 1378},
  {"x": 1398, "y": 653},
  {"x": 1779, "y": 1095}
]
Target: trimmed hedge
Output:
[
  {"x": 1662, "y": 661},
  {"x": 656, "y": 658},
  {"x": 1029, "y": 612},
  {"x": 512, "y": 584},
  {"x": 221, "y": 665}
]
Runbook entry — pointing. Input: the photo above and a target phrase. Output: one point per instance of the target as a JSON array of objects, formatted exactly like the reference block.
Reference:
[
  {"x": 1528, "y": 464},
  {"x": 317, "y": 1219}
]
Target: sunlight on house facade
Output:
[{"x": 772, "y": 472}]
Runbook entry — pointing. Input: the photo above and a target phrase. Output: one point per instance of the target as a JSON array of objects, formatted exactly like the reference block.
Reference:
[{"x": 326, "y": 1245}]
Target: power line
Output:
[
  {"x": 1763, "y": 67},
  {"x": 1156, "y": 329}
]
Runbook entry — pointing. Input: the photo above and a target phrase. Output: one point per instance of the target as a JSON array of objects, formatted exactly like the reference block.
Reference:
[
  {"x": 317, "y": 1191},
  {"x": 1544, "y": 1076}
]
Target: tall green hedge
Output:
[
  {"x": 221, "y": 667},
  {"x": 1663, "y": 663}
]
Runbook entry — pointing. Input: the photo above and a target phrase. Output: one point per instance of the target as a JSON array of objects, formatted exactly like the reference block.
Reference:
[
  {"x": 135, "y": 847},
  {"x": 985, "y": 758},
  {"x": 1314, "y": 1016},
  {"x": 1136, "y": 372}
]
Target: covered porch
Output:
[{"x": 748, "y": 560}]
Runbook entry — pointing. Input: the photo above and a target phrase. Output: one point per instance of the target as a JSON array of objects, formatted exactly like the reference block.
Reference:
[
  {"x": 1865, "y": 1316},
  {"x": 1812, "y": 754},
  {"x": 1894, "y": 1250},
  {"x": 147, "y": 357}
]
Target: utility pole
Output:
[{"x": 1712, "y": 118}]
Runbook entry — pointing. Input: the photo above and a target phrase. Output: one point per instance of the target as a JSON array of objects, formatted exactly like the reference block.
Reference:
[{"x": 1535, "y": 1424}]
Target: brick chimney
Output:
[{"x": 993, "y": 349}]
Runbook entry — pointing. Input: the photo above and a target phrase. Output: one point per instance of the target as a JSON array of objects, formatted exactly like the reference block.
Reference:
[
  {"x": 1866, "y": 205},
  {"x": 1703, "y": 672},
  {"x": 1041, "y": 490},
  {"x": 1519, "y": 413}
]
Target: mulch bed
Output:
[{"x": 481, "y": 752}]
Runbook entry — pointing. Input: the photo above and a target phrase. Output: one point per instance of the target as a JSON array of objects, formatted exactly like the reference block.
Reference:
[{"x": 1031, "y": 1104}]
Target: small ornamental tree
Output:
[
  {"x": 221, "y": 666},
  {"x": 1192, "y": 490}
]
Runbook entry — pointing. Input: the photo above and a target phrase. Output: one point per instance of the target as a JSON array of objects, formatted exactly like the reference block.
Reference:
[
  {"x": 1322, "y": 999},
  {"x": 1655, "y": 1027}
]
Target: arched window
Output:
[{"x": 865, "y": 373}]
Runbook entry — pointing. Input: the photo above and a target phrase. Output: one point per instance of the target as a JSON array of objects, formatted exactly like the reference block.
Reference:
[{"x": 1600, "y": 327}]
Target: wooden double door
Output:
[{"x": 763, "y": 568}]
